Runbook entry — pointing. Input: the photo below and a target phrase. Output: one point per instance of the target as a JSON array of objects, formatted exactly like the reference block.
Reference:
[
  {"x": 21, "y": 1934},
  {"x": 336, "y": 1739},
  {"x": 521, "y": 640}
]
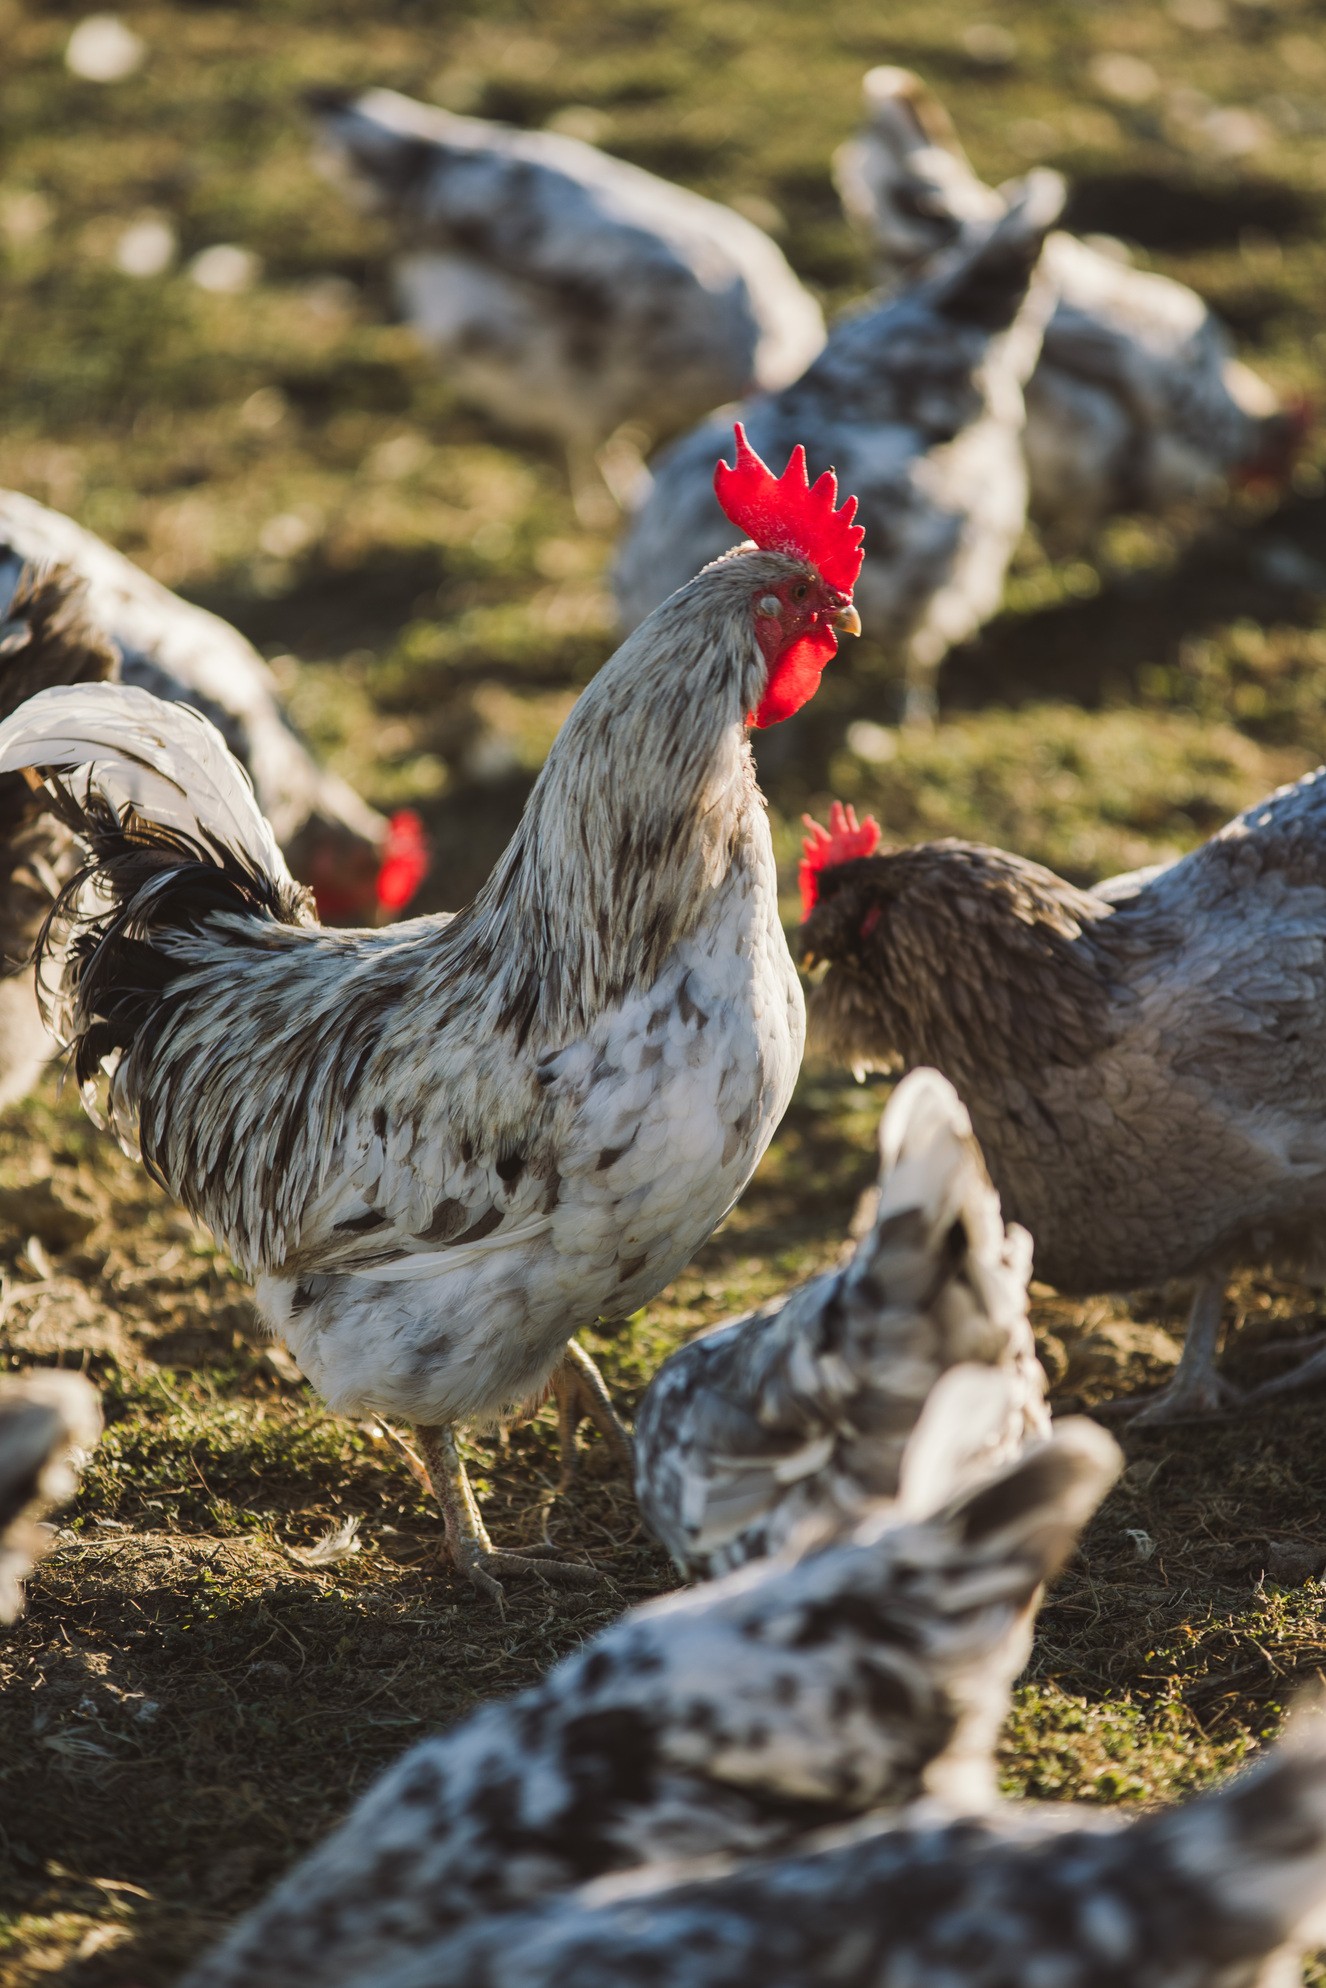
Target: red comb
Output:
[
  {"x": 841, "y": 842},
  {"x": 404, "y": 861},
  {"x": 788, "y": 513}
]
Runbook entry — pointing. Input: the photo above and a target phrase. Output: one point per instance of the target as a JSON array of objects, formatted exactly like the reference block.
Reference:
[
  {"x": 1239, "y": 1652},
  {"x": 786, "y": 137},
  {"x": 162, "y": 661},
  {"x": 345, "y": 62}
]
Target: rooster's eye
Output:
[
  {"x": 800, "y": 590},
  {"x": 768, "y": 604}
]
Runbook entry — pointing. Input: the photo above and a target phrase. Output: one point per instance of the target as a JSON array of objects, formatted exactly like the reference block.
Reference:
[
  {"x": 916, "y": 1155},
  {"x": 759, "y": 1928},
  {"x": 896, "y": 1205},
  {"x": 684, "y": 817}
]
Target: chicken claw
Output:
[
  {"x": 582, "y": 1396},
  {"x": 471, "y": 1551}
]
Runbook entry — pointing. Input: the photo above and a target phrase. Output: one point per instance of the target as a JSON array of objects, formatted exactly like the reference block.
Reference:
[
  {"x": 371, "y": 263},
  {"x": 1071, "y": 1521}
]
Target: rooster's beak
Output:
[{"x": 846, "y": 620}]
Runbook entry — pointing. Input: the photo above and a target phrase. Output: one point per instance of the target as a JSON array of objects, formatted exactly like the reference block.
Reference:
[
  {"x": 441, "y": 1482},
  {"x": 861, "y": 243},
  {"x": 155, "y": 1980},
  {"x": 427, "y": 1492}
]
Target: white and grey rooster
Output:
[
  {"x": 1137, "y": 402},
  {"x": 441, "y": 1147},
  {"x": 870, "y": 1670},
  {"x": 803, "y": 1409},
  {"x": 918, "y": 400},
  {"x": 567, "y": 292},
  {"x": 359, "y": 864}
]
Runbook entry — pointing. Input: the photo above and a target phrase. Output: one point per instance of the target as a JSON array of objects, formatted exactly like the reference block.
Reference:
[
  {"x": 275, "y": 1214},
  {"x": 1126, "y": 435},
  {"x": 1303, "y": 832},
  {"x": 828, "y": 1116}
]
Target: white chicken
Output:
[
  {"x": 567, "y": 292},
  {"x": 440, "y": 1147},
  {"x": 1137, "y": 403},
  {"x": 802, "y": 1409},
  {"x": 729, "y": 1720},
  {"x": 49, "y": 1422},
  {"x": 918, "y": 400},
  {"x": 358, "y": 864}
]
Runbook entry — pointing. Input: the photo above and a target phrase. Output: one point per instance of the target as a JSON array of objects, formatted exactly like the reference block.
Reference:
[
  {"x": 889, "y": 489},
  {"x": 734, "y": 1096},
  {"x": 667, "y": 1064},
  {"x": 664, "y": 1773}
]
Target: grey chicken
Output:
[
  {"x": 359, "y": 865},
  {"x": 1144, "y": 1063},
  {"x": 49, "y": 1421},
  {"x": 566, "y": 292},
  {"x": 1137, "y": 402},
  {"x": 918, "y": 401},
  {"x": 1226, "y": 1891},
  {"x": 731, "y": 1719},
  {"x": 803, "y": 1408},
  {"x": 440, "y": 1147}
]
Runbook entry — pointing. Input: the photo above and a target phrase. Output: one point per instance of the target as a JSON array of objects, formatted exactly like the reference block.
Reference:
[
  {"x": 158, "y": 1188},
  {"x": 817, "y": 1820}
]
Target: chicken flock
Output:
[{"x": 468, "y": 1135}]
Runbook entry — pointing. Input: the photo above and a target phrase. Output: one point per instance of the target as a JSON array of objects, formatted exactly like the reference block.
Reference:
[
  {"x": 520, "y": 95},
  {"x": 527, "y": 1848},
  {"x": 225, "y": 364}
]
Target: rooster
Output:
[
  {"x": 803, "y": 1408},
  {"x": 567, "y": 292},
  {"x": 440, "y": 1147},
  {"x": 732, "y": 1719},
  {"x": 360, "y": 866},
  {"x": 1144, "y": 1063},
  {"x": 1225, "y": 1891},
  {"x": 919, "y": 399},
  {"x": 1137, "y": 403},
  {"x": 49, "y": 1422}
]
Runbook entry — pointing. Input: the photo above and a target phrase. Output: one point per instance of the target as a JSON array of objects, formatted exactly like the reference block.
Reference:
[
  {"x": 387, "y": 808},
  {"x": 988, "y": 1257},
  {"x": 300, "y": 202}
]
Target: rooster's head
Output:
[{"x": 799, "y": 617}]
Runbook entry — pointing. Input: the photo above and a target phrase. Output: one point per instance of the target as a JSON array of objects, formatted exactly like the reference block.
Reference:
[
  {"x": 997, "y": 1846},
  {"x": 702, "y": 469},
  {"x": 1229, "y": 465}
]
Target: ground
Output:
[{"x": 190, "y": 1702}]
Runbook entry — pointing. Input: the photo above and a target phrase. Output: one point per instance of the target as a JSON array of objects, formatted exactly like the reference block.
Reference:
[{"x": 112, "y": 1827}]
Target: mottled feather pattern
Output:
[
  {"x": 1145, "y": 1065},
  {"x": 1227, "y": 1891},
  {"x": 802, "y": 1410},
  {"x": 730, "y": 1719}
]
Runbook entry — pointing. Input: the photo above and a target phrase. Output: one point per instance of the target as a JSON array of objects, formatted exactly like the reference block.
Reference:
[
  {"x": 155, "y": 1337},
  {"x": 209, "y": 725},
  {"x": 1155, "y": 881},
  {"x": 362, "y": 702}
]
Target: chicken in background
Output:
[
  {"x": 567, "y": 293},
  {"x": 872, "y": 1669},
  {"x": 361, "y": 867},
  {"x": 46, "y": 637},
  {"x": 803, "y": 1409},
  {"x": 918, "y": 403},
  {"x": 1226, "y": 1891},
  {"x": 441, "y": 1147},
  {"x": 1137, "y": 402},
  {"x": 1144, "y": 1063},
  {"x": 49, "y": 1423}
]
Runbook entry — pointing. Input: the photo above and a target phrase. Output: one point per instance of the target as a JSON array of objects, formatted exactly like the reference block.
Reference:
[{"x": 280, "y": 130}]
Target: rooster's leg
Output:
[
  {"x": 1308, "y": 1373},
  {"x": 472, "y": 1552},
  {"x": 1196, "y": 1389},
  {"x": 581, "y": 1396}
]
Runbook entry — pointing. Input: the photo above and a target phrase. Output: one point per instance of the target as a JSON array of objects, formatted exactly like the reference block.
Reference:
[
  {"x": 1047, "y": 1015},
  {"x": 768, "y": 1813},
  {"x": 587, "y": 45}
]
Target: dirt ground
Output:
[{"x": 196, "y": 1694}]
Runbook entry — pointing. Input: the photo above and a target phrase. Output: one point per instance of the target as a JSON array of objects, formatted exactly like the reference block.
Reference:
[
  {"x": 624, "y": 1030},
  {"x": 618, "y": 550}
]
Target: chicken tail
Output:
[
  {"x": 986, "y": 281},
  {"x": 47, "y": 637},
  {"x": 171, "y": 835}
]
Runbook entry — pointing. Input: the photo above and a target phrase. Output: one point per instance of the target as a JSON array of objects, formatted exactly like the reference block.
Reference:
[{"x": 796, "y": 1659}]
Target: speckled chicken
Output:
[
  {"x": 441, "y": 1147},
  {"x": 730, "y": 1720},
  {"x": 1227, "y": 1891},
  {"x": 567, "y": 292},
  {"x": 802, "y": 1409},
  {"x": 1137, "y": 402},
  {"x": 49, "y": 1421},
  {"x": 46, "y": 637},
  {"x": 918, "y": 401},
  {"x": 359, "y": 865},
  {"x": 1144, "y": 1063}
]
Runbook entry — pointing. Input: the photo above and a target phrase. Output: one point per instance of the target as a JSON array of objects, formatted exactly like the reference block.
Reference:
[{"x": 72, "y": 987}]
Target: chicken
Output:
[
  {"x": 1144, "y": 1063},
  {"x": 731, "y": 1719},
  {"x": 45, "y": 637},
  {"x": 359, "y": 865},
  {"x": 803, "y": 1408},
  {"x": 1226, "y": 1891},
  {"x": 918, "y": 399},
  {"x": 566, "y": 292},
  {"x": 1137, "y": 403},
  {"x": 49, "y": 1421},
  {"x": 440, "y": 1147}
]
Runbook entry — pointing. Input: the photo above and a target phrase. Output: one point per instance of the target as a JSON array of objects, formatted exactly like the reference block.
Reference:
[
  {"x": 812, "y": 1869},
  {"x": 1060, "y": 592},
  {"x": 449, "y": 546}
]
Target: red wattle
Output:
[
  {"x": 794, "y": 676},
  {"x": 404, "y": 861}
]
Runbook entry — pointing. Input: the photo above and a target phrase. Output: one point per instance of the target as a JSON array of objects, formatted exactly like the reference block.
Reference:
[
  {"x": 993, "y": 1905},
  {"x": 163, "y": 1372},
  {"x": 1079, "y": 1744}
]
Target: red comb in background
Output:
[
  {"x": 790, "y": 514},
  {"x": 841, "y": 842},
  {"x": 404, "y": 862}
]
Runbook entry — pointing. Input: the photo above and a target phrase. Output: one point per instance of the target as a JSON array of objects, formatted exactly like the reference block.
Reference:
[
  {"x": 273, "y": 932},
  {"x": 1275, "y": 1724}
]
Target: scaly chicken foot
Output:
[
  {"x": 582, "y": 1396},
  {"x": 1196, "y": 1389},
  {"x": 1308, "y": 1373},
  {"x": 471, "y": 1551}
]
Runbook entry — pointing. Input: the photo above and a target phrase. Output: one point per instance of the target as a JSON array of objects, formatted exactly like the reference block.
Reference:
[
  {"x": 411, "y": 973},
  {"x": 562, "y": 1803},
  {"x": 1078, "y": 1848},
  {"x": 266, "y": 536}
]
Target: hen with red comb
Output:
[
  {"x": 918, "y": 401},
  {"x": 841, "y": 842}
]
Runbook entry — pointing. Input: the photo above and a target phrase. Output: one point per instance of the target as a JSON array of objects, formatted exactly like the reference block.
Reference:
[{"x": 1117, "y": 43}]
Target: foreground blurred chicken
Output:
[
  {"x": 1227, "y": 1891},
  {"x": 48, "y": 1423},
  {"x": 46, "y": 638},
  {"x": 1137, "y": 403},
  {"x": 803, "y": 1409},
  {"x": 919, "y": 403},
  {"x": 728, "y": 1720},
  {"x": 440, "y": 1148},
  {"x": 1144, "y": 1063},
  {"x": 360, "y": 866},
  {"x": 568, "y": 292}
]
